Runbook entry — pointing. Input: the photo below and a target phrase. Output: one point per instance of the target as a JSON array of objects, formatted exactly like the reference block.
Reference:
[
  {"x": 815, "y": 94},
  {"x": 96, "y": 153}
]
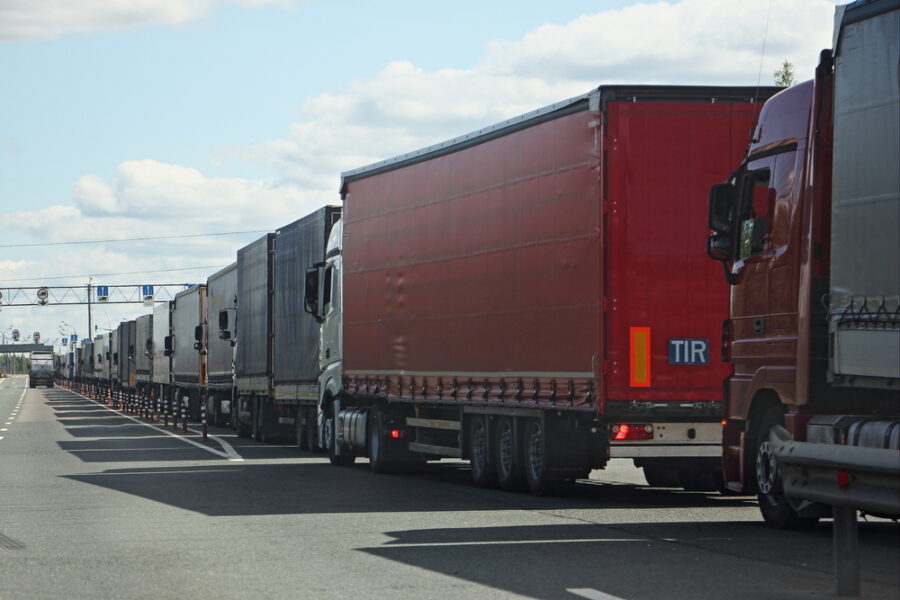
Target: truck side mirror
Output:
[
  {"x": 167, "y": 345},
  {"x": 225, "y": 335},
  {"x": 198, "y": 333},
  {"x": 311, "y": 294},
  {"x": 721, "y": 207},
  {"x": 223, "y": 320},
  {"x": 149, "y": 344},
  {"x": 718, "y": 247},
  {"x": 198, "y": 345}
]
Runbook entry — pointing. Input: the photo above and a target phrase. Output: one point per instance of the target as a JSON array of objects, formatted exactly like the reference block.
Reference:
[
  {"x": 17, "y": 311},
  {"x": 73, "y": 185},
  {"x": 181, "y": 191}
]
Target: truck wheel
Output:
[
  {"x": 775, "y": 508},
  {"x": 510, "y": 474},
  {"x": 484, "y": 472},
  {"x": 661, "y": 477},
  {"x": 378, "y": 460},
  {"x": 537, "y": 467},
  {"x": 258, "y": 423},
  {"x": 344, "y": 459},
  {"x": 302, "y": 432},
  {"x": 312, "y": 429}
]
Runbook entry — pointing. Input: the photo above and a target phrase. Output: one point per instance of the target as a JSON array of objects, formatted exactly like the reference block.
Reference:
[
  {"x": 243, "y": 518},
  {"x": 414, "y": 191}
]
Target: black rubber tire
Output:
[
  {"x": 378, "y": 460},
  {"x": 301, "y": 433},
  {"x": 345, "y": 458},
  {"x": 312, "y": 429},
  {"x": 535, "y": 459},
  {"x": 508, "y": 457},
  {"x": 484, "y": 471},
  {"x": 776, "y": 510},
  {"x": 693, "y": 480},
  {"x": 661, "y": 477}
]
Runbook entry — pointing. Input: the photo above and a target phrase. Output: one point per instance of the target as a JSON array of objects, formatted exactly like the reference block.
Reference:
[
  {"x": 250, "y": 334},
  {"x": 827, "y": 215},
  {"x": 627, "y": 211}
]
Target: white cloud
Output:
[
  {"x": 22, "y": 20},
  {"x": 403, "y": 107},
  {"x": 399, "y": 109}
]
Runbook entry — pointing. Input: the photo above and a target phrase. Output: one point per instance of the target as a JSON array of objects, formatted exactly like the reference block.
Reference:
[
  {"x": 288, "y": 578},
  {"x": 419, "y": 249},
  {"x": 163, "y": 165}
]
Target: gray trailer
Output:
[
  {"x": 102, "y": 359},
  {"x": 298, "y": 246},
  {"x": 86, "y": 373},
  {"x": 189, "y": 354},
  {"x": 253, "y": 356},
  {"x": 143, "y": 347},
  {"x": 125, "y": 348},
  {"x": 221, "y": 299},
  {"x": 161, "y": 351}
]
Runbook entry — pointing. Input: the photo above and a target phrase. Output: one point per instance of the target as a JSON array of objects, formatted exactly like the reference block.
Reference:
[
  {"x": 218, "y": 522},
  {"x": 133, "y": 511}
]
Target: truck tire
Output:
[
  {"x": 302, "y": 433},
  {"x": 484, "y": 471},
  {"x": 344, "y": 459},
  {"x": 658, "y": 476},
  {"x": 510, "y": 474},
  {"x": 537, "y": 465},
  {"x": 775, "y": 508},
  {"x": 258, "y": 423},
  {"x": 312, "y": 430},
  {"x": 378, "y": 460}
]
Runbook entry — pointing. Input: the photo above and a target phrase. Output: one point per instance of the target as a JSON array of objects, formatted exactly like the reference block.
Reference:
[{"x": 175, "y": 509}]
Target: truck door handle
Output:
[{"x": 759, "y": 326}]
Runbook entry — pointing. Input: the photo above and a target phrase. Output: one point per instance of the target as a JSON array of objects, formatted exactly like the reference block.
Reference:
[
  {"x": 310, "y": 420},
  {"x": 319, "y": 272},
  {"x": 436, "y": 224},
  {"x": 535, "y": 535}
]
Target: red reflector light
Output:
[
  {"x": 844, "y": 479},
  {"x": 631, "y": 431},
  {"x": 395, "y": 433}
]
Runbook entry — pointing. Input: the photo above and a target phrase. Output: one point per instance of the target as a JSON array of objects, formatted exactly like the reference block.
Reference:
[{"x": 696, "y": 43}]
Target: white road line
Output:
[
  {"x": 592, "y": 594},
  {"x": 229, "y": 453},
  {"x": 512, "y": 542}
]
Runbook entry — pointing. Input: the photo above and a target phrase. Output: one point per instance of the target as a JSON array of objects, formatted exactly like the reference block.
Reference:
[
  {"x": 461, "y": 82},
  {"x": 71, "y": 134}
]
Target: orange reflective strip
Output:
[{"x": 640, "y": 356}]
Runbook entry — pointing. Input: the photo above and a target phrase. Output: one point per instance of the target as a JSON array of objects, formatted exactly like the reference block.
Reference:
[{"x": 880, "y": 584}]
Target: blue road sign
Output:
[
  {"x": 73, "y": 337},
  {"x": 103, "y": 291},
  {"x": 147, "y": 290}
]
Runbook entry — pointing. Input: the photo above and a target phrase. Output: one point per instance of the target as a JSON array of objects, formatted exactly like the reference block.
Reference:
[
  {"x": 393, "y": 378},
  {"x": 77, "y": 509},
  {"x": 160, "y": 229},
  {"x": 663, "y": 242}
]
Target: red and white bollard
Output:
[{"x": 203, "y": 420}]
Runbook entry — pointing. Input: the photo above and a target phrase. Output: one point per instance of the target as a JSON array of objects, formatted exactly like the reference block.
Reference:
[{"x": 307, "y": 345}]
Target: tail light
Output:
[
  {"x": 395, "y": 434},
  {"x": 631, "y": 431},
  {"x": 727, "y": 336}
]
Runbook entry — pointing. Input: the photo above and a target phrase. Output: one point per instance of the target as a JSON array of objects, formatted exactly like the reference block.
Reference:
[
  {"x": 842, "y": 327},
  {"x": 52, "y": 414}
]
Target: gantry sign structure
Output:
[{"x": 89, "y": 294}]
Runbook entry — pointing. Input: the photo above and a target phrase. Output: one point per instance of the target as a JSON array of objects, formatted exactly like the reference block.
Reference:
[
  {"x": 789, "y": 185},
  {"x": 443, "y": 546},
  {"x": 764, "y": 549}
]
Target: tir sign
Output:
[{"x": 688, "y": 351}]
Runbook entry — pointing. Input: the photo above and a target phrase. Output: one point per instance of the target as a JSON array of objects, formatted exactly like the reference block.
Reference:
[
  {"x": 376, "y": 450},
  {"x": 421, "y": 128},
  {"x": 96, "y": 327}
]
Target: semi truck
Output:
[
  {"x": 807, "y": 230},
  {"x": 188, "y": 350},
  {"x": 143, "y": 358},
  {"x": 40, "y": 371},
  {"x": 530, "y": 297},
  {"x": 277, "y": 357},
  {"x": 221, "y": 306}
]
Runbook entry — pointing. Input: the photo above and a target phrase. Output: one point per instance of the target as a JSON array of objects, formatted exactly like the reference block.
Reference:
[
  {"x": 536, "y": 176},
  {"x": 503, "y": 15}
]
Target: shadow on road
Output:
[{"x": 645, "y": 560}]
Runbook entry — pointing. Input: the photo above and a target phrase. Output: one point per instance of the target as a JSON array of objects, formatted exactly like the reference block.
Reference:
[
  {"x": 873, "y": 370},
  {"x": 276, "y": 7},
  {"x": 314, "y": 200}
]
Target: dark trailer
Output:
[{"x": 221, "y": 302}]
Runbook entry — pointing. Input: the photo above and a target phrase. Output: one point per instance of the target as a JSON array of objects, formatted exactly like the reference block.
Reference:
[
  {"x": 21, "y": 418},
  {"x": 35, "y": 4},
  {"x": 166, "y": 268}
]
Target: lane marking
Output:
[
  {"x": 592, "y": 594},
  {"x": 511, "y": 542},
  {"x": 229, "y": 452}
]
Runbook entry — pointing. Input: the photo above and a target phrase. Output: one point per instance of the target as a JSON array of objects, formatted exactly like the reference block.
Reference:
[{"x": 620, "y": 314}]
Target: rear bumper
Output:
[{"x": 673, "y": 440}]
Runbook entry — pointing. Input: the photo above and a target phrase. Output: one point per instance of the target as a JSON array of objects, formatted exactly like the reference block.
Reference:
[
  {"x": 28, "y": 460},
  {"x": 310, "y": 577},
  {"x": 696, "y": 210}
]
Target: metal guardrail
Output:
[{"x": 848, "y": 478}]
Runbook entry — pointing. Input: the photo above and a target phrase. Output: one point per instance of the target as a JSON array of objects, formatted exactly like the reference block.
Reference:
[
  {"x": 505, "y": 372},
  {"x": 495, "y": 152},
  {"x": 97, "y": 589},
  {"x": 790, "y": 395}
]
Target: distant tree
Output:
[{"x": 784, "y": 76}]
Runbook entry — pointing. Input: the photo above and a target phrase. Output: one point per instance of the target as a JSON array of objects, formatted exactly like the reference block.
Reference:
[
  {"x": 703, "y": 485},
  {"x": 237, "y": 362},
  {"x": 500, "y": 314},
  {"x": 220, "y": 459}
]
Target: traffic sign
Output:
[
  {"x": 15, "y": 335},
  {"x": 73, "y": 338},
  {"x": 42, "y": 295},
  {"x": 147, "y": 293},
  {"x": 102, "y": 293},
  {"x": 36, "y": 336}
]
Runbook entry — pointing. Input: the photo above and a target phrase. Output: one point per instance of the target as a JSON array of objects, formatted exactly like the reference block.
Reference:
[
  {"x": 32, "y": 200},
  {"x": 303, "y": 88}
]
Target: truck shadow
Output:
[{"x": 646, "y": 560}]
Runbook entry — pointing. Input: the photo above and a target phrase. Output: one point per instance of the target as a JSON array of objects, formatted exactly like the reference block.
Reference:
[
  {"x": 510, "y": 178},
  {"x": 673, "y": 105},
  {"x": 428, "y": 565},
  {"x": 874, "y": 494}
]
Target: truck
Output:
[
  {"x": 806, "y": 227},
  {"x": 530, "y": 296},
  {"x": 143, "y": 357},
  {"x": 254, "y": 331},
  {"x": 188, "y": 350},
  {"x": 40, "y": 372},
  {"x": 221, "y": 307},
  {"x": 295, "y": 370},
  {"x": 125, "y": 350},
  {"x": 161, "y": 354}
]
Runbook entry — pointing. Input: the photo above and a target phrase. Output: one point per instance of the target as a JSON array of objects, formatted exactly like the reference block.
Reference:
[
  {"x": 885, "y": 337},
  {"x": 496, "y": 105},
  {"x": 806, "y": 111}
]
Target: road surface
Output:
[{"x": 96, "y": 504}]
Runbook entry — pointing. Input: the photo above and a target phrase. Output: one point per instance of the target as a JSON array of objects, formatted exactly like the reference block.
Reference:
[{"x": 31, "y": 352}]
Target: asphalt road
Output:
[{"x": 95, "y": 504}]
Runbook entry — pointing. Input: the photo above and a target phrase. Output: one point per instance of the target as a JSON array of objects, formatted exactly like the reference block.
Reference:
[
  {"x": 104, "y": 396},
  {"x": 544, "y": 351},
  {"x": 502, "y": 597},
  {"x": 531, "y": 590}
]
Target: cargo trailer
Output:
[{"x": 534, "y": 297}]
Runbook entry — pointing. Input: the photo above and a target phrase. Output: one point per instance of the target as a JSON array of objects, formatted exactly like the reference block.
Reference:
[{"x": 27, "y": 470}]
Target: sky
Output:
[{"x": 124, "y": 119}]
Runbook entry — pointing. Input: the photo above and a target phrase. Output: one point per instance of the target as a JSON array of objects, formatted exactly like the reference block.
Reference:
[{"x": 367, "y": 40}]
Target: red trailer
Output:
[{"x": 535, "y": 296}]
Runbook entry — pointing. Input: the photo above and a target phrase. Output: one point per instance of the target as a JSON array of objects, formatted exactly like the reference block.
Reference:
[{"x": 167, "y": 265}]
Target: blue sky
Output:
[{"x": 126, "y": 118}]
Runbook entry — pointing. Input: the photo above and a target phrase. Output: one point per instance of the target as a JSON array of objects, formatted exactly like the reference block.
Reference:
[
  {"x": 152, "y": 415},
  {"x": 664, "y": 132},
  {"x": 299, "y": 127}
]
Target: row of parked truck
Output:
[{"x": 534, "y": 297}]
